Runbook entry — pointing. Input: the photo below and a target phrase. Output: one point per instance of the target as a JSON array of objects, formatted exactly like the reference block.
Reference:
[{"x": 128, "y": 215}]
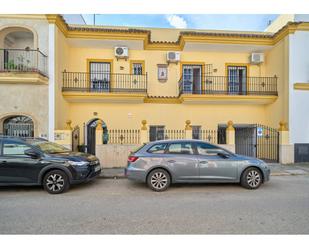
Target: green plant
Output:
[{"x": 10, "y": 65}]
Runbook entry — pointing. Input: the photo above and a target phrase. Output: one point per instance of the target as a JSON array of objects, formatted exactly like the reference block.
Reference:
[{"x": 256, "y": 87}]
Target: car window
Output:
[
  {"x": 208, "y": 149},
  {"x": 180, "y": 148},
  {"x": 14, "y": 149},
  {"x": 157, "y": 149}
]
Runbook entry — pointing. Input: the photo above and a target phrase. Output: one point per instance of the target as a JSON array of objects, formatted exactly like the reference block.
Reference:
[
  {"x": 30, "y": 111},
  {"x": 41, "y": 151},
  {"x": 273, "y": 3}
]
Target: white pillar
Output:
[{"x": 51, "y": 85}]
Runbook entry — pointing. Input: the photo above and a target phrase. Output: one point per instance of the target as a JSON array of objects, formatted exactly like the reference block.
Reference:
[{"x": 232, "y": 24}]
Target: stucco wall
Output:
[
  {"x": 78, "y": 56},
  {"x": 299, "y": 99},
  {"x": 61, "y": 58},
  {"x": 276, "y": 63},
  {"x": 111, "y": 156},
  {"x": 173, "y": 116},
  {"x": 26, "y": 99}
]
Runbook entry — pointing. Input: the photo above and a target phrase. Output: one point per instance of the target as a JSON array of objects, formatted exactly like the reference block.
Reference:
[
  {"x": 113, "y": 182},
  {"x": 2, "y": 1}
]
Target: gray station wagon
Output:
[{"x": 164, "y": 162}]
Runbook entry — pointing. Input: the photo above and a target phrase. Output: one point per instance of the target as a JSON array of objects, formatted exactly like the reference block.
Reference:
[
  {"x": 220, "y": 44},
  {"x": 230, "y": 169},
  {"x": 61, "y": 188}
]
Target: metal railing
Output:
[
  {"x": 104, "y": 82},
  {"x": 210, "y": 136},
  {"x": 174, "y": 134},
  {"x": 23, "y": 60},
  {"x": 229, "y": 85},
  {"x": 122, "y": 136}
]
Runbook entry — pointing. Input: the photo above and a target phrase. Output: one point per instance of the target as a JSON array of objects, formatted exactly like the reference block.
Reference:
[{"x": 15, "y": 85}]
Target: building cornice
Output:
[
  {"x": 301, "y": 86},
  {"x": 219, "y": 37}
]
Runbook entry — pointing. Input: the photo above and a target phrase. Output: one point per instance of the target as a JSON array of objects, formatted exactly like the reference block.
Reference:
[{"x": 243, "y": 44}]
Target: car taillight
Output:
[{"x": 132, "y": 159}]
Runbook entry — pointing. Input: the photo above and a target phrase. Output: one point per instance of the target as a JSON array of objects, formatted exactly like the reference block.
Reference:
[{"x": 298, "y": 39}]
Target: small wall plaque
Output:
[{"x": 162, "y": 72}]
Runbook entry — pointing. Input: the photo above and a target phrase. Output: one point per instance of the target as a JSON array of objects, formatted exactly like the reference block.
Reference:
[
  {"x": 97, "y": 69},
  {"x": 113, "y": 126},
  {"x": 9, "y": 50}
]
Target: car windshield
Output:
[{"x": 49, "y": 147}]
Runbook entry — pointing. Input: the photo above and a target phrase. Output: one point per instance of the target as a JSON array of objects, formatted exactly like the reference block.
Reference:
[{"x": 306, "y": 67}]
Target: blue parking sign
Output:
[{"x": 259, "y": 131}]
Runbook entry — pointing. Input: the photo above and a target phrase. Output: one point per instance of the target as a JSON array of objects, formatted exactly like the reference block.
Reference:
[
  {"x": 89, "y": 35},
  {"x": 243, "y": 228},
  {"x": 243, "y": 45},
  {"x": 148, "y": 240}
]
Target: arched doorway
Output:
[
  {"x": 18, "y": 126},
  {"x": 91, "y": 134}
]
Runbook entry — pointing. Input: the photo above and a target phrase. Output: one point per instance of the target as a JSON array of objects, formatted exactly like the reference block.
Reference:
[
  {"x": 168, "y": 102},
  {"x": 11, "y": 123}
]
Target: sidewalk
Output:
[{"x": 277, "y": 169}]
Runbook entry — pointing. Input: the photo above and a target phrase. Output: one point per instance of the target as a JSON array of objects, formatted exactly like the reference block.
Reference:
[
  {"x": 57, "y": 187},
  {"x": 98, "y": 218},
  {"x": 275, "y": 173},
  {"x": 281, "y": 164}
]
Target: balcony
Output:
[
  {"x": 23, "y": 66},
  {"x": 104, "y": 86},
  {"x": 218, "y": 89}
]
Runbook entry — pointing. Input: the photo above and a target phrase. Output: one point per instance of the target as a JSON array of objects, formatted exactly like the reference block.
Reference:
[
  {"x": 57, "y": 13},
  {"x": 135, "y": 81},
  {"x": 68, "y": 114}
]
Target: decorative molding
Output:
[
  {"x": 85, "y": 97},
  {"x": 69, "y": 125},
  {"x": 301, "y": 86},
  {"x": 163, "y": 100},
  {"x": 144, "y": 125},
  {"x": 188, "y": 126},
  {"x": 230, "y": 126},
  {"x": 221, "y": 37},
  {"x": 283, "y": 126},
  {"x": 228, "y": 99},
  {"x": 23, "y": 78}
]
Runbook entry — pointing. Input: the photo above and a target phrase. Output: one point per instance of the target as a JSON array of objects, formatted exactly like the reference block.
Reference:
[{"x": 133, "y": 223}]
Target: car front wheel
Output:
[
  {"x": 159, "y": 180},
  {"x": 251, "y": 178},
  {"x": 56, "y": 182}
]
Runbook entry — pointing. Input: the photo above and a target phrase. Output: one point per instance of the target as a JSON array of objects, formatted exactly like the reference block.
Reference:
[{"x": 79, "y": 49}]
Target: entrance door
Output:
[
  {"x": 156, "y": 132},
  {"x": 100, "y": 76},
  {"x": 91, "y": 136},
  {"x": 245, "y": 140},
  {"x": 257, "y": 141},
  {"x": 192, "y": 78},
  {"x": 237, "y": 79}
]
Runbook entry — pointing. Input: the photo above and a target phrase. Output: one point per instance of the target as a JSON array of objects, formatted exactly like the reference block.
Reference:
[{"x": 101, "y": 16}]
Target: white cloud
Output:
[{"x": 176, "y": 21}]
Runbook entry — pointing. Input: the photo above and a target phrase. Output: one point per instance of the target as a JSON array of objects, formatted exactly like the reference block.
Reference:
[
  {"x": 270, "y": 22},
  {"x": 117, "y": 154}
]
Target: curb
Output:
[
  {"x": 124, "y": 177},
  {"x": 280, "y": 174}
]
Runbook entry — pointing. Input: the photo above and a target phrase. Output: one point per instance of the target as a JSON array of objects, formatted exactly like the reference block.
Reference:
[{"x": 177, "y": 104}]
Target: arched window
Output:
[{"x": 20, "y": 126}]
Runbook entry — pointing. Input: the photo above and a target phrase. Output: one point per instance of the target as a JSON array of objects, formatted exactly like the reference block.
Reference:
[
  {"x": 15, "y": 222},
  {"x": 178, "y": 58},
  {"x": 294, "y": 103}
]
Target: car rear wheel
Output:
[
  {"x": 159, "y": 180},
  {"x": 56, "y": 182},
  {"x": 251, "y": 178}
]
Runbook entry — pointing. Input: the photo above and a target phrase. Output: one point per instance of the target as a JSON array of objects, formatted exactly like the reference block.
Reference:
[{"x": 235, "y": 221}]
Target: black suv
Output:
[{"x": 35, "y": 161}]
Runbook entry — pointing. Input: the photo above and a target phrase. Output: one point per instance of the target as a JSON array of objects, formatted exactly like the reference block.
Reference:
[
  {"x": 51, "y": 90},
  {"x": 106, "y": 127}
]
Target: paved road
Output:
[{"x": 122, "y": 207}]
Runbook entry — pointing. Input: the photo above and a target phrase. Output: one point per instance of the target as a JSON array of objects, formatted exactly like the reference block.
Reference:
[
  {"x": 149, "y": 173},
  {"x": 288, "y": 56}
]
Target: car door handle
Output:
[
  {"x": 203, "y": 162},
  {"x": 3, "y": 161},
  {"x": 171, "y": 161}
]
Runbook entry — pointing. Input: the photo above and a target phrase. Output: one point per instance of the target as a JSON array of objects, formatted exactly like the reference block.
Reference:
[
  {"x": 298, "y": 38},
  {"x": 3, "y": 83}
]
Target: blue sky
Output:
[{"x": 254, "y": 22}]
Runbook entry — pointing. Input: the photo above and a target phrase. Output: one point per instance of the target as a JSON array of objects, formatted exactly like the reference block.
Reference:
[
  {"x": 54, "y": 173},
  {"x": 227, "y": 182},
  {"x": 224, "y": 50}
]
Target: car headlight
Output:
[{"x": 73, "y": 163}]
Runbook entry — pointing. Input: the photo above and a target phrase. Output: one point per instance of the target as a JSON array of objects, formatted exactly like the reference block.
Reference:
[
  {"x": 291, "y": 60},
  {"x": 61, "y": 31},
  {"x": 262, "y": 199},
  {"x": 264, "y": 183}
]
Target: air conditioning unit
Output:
[
  {"x": 122, "y": 52},
  {"x": 256, "y": 58},
  {"x": 173, "y": 57}
]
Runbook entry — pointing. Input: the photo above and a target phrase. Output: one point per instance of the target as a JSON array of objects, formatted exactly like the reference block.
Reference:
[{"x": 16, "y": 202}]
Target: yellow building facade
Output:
[{"x": 122, "y": 76}]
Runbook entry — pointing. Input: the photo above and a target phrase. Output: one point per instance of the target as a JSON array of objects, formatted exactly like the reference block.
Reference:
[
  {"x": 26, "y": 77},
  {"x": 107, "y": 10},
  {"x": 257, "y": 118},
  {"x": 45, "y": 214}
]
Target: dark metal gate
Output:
[
  {"x": 18, "y": 126},
  {"x": 91, "y": 141},
  {"x": 75, "y": 138},
  {"x": 257, "y": 141}
]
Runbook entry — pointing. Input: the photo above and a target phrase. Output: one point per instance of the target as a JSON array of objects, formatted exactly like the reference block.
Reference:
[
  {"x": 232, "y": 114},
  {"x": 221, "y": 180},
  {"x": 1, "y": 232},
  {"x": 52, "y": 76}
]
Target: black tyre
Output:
[
  {"x": 158, "y": 180},
  {"x": 56, "y": 182},
  {"x": 251, "y": 178}
]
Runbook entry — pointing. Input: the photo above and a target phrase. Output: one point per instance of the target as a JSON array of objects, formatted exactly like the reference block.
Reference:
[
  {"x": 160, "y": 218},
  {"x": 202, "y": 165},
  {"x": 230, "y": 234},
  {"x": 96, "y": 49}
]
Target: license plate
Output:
[{"x": 97, "y": 168}]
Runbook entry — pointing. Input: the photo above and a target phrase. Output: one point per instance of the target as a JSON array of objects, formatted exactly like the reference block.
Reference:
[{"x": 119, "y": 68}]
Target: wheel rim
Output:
[
  {"x": 55, "y": 182},
  {"x": 253, "y": 178},
  {"x": 158, "y": 180}
]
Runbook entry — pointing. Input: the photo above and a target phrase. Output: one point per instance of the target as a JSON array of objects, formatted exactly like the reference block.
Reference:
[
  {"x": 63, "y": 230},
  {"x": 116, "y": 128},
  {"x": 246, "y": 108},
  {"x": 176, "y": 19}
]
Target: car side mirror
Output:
[
  {"x": 32, "y": 153},
  {"x": 223, "y": 155}
]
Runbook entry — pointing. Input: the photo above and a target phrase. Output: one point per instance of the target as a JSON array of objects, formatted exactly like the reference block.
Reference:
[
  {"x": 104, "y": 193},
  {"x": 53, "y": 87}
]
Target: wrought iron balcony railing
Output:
[
  {"x": 104, "y": 82},
  {"x": 23, "y": 60},
  {"x": 228, "y": 85}
]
